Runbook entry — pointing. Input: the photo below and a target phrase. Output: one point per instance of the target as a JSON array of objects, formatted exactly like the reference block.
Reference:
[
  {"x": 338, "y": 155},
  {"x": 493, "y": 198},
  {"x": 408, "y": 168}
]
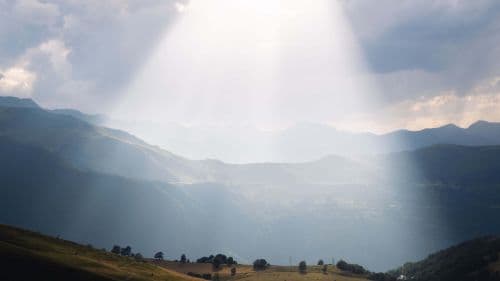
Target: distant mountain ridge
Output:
[
  {"x": 96, "y": 119},
  {"x": 104, "y": 186},
  {"x": 303, "y": 142}
]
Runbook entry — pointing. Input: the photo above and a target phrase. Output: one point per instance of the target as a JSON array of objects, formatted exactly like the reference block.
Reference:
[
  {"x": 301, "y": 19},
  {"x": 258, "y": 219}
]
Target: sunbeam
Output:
[{"x": 268, "y": 64}]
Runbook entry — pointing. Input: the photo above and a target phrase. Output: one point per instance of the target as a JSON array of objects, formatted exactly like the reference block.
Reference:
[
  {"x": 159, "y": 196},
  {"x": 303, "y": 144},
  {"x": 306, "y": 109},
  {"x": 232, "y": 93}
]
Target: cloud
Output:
[
  {"x": 91, "y": 48},
  {"x": 83, "y": 54},
  {"x": 36, "y": 12},
  {"x": 450, "y": 43},
  {"x": 482, "y": 102},
  {"x": 180, "y": 7},
  {"x": 16, "y": 81}
]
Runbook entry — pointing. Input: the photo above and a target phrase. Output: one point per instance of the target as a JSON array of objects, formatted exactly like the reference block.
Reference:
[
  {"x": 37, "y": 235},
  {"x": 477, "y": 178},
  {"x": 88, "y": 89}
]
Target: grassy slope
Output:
[
  {"x": 27, "y": 255},
  {"x": 274, "y": 273},
  {"x": 476, "y": 259}
]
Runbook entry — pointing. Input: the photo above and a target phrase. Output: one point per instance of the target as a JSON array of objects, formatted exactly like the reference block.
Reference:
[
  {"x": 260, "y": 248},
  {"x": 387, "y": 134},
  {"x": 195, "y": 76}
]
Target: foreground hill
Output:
[
  {"x": 26, "y": 255},
  {"x": 477, "y": 259}
]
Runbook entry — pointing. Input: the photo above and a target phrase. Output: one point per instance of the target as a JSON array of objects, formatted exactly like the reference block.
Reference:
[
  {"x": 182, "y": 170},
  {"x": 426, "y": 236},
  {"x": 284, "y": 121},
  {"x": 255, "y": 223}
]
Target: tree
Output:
[
  {"x": 116, "y": 249},
  {"x": 216, "y": 263},
  {"x": 321, "y": 262},
  {"x": 302, "y": 267},
  {"x": 138, "y": 257},
  {"x": 127, "y": 251},
  {"x": 260, "y": 264},
  {"x": 324, "y": 269},
  {"x": 159, "y": 256},
  {"x": 341, "y": 264},
  {"x": 230, "y": 261},
  {"x": 233, "y": 271},
  {"x": 218, "y": 260},
  {"x": 354, "y": 268},
  {"x": 183, "y": 258}
]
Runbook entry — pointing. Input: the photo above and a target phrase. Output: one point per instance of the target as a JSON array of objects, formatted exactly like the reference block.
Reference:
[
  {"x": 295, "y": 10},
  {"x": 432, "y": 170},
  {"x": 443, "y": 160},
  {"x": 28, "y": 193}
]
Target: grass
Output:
[
  {"x": 274, "y": 273},
  {"x": 27, "y": 255}
]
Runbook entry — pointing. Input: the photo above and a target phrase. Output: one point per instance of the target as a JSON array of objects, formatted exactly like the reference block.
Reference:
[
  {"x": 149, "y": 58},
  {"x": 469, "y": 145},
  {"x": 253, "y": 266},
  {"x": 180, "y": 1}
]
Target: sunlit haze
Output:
[
  {"x": 307, "y": 140},
  {"x": 267, "y": 64}
]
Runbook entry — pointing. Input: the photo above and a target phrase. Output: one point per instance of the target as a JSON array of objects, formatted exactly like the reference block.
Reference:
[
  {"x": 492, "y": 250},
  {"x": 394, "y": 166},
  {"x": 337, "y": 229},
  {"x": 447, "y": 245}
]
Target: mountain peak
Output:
[
  {"x": 481, "y": 123},
  {"x": 8, "y": 101},
  {"x": 449, "y": 126}
]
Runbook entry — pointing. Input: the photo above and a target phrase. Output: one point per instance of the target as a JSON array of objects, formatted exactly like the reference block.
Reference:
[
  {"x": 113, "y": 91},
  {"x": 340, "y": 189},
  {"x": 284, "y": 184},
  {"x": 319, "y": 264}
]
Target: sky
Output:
[{"x": 357, "y": 65}]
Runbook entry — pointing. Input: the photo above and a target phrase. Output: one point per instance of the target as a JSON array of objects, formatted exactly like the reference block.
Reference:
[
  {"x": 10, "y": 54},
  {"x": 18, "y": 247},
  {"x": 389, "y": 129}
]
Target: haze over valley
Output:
[
  {"x": 250, "y": 140},
  {"x": 92, "y": 180}
]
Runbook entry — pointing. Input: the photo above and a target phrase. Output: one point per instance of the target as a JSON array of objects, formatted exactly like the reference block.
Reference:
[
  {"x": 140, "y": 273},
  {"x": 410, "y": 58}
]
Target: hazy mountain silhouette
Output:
[{"x": 65, "y": 176}]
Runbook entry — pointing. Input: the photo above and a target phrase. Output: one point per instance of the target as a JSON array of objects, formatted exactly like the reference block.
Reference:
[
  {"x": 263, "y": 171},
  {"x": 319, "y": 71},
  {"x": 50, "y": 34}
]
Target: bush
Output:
[
  {"x": 159, "y": 256},
  {"x": 324, "y": 269},
  {"x": 302, "y": 267},
  {"x": 206, "y": 276},
  {"x": 260, "y": 264},
  {"x": 127, "y": 251},
  {"x": 138, "y": 257},
  {"x": 354, "y": 268},
  {"x": 116, "y": 249},
  {"x": 321, "y": 262},
  {"x": 233, "y": 271}
]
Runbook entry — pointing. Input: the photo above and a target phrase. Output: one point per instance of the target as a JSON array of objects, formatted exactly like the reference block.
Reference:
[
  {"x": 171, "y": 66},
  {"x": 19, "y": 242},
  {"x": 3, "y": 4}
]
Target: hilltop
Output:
[
  {"x": 26, "y": 255},
  {"x": 476, "y": 259}
]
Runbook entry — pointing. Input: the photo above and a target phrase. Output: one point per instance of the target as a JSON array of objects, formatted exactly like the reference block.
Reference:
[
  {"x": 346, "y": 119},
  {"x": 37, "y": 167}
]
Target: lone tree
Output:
[
  {"x": 183, "y": 258},
  {"x": 324, "y": 269},
  {"x": 321, "y": 262},
  {"x": 138, "y": 257},
  {"x": 116, "y": 249},
  {"x": 216, "y": 263},
  {"x": 127, "y": 251},
  {"x": 233, "y": 271},
  {"x": 260, "y": 264},
  {"x": 159, "y": 256},
  {"x": 302, "y": 267}
]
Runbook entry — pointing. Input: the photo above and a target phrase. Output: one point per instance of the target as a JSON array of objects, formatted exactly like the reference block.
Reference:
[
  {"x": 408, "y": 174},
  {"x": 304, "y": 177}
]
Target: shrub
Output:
[
  {"x": 354, "y": 268},
  {"x": 127, "y": 251},
  {"x": 206, "y": 276},
  {"x": 138, "y": 257},
  {"x": 116, "y": 249},
  {"x": 302, "y": 267},
  {"x": 260, "y": 264},
  {"x": 324, "y": 269},
  {"x": 159, "y": 256}
]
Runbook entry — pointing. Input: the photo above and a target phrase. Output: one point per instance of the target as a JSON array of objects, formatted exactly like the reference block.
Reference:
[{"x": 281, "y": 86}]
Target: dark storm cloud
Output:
[
  {"x": 100, "y": 43},
  {"x": 431, "y": 46}
]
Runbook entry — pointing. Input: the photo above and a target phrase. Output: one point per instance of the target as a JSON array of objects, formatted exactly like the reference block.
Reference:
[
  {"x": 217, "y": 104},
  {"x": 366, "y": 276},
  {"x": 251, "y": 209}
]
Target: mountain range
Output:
[
  {"x": 300, "y": 143},
  {"x": 65, "y": 175}
]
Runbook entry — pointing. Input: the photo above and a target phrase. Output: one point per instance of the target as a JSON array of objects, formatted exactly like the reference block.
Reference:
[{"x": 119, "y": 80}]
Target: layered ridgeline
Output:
[
  {"x": 302, "y": 142},
  {"x": 64, "y": 175}
]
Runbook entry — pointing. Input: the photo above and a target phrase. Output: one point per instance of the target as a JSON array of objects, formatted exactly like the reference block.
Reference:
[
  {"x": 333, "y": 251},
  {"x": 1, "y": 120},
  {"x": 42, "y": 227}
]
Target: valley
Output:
[{"x": 86, "y": 181}]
